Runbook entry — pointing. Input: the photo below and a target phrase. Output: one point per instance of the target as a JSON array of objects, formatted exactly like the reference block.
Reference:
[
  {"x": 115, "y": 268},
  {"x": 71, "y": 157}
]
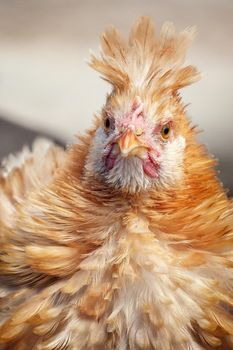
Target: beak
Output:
[{"x": 130, "y": 145}]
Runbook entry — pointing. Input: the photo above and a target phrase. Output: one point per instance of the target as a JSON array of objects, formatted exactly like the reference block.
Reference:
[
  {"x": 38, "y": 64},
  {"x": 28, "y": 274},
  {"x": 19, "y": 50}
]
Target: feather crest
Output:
[{"x": 143, "y": 59}]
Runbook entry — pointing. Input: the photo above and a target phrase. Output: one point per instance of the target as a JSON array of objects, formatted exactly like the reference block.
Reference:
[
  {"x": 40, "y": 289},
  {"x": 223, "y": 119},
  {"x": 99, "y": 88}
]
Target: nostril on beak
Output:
[
  {"x": 139, "y": 132},
  {"x": 130, "y": 145}
]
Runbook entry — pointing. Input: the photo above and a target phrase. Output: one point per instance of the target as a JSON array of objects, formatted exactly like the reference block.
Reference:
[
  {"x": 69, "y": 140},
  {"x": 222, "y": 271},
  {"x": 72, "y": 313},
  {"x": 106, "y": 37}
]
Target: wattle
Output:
[
  {"x": 110, "y": 159},
  {"x": 150, "y": 167}
]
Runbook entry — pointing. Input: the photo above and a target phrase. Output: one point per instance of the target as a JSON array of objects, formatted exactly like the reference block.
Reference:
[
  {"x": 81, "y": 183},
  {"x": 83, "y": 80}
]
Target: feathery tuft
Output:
[{"x": 144, "y": 60}]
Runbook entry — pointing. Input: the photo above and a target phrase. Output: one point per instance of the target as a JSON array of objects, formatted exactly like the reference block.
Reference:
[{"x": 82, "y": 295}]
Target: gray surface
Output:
[
  {"x": 13, "y": 137},
  {"x": 226, "y": 174}
]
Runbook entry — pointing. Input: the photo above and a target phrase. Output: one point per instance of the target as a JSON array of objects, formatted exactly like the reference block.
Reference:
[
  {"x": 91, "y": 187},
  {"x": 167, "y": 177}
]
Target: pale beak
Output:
[{"x": 130, "y": 145}]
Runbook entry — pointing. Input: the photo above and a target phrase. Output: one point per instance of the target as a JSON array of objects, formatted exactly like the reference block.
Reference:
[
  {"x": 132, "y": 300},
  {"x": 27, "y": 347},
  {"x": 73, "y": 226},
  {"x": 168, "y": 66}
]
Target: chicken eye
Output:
[
  {"x": 165, "y": 131},
  {"x": 108, "y": 123}
]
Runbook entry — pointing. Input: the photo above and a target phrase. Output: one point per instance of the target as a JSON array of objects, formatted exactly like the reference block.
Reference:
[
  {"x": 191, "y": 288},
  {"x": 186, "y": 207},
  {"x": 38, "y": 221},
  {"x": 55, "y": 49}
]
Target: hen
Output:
[{"x": 125, "y": 240}]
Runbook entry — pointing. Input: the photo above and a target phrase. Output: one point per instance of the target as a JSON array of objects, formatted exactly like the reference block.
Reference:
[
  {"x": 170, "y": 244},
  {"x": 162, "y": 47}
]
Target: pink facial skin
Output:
[
  {"x": 133, "y": 120},
  {"x": 150, "y": 167}
]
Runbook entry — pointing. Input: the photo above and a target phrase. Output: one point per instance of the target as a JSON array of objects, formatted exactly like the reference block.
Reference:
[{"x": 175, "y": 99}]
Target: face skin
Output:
[{"x": 133, "y": 151}]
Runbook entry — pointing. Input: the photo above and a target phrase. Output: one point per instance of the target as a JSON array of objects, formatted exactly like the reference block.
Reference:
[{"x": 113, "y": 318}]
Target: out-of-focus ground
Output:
[
  {"x": 13, "y": 137},
  {"x": 46, "y": 84}
]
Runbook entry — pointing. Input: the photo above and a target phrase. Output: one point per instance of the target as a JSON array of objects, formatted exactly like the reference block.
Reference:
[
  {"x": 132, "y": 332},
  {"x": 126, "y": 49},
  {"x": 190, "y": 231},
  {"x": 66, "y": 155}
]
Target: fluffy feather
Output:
[
  {"x": 85, "y": 264},
  {"x": 144, "y": 61}
]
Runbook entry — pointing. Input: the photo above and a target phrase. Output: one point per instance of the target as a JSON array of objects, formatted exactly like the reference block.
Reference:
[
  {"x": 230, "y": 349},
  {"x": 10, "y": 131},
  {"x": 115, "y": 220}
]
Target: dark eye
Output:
[
  {"x": 109, "y": 123},
  {"x": 165, "y": 131}
]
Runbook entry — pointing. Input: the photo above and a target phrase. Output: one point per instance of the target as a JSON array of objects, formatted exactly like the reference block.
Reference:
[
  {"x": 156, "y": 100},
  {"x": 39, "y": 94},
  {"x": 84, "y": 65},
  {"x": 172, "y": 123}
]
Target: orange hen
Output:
[{"x": 125, "y": 240}]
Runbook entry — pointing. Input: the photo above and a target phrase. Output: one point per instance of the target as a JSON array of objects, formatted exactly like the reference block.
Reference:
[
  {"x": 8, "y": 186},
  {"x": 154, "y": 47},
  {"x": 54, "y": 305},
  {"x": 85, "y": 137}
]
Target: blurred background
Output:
[{"x": 46, "y": 87}]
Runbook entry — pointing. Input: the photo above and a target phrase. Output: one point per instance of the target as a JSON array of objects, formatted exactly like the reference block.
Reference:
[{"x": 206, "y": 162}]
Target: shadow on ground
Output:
[{"x": 13, "y": 137}]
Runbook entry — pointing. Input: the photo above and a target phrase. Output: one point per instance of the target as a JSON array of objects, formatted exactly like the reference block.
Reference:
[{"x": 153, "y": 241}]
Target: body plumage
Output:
[{"x": 125, "y": 240}]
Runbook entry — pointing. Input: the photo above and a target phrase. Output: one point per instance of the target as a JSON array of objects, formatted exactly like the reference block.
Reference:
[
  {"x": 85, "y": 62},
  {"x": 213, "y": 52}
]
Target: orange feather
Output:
[{"x": 84, "y": 265}]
